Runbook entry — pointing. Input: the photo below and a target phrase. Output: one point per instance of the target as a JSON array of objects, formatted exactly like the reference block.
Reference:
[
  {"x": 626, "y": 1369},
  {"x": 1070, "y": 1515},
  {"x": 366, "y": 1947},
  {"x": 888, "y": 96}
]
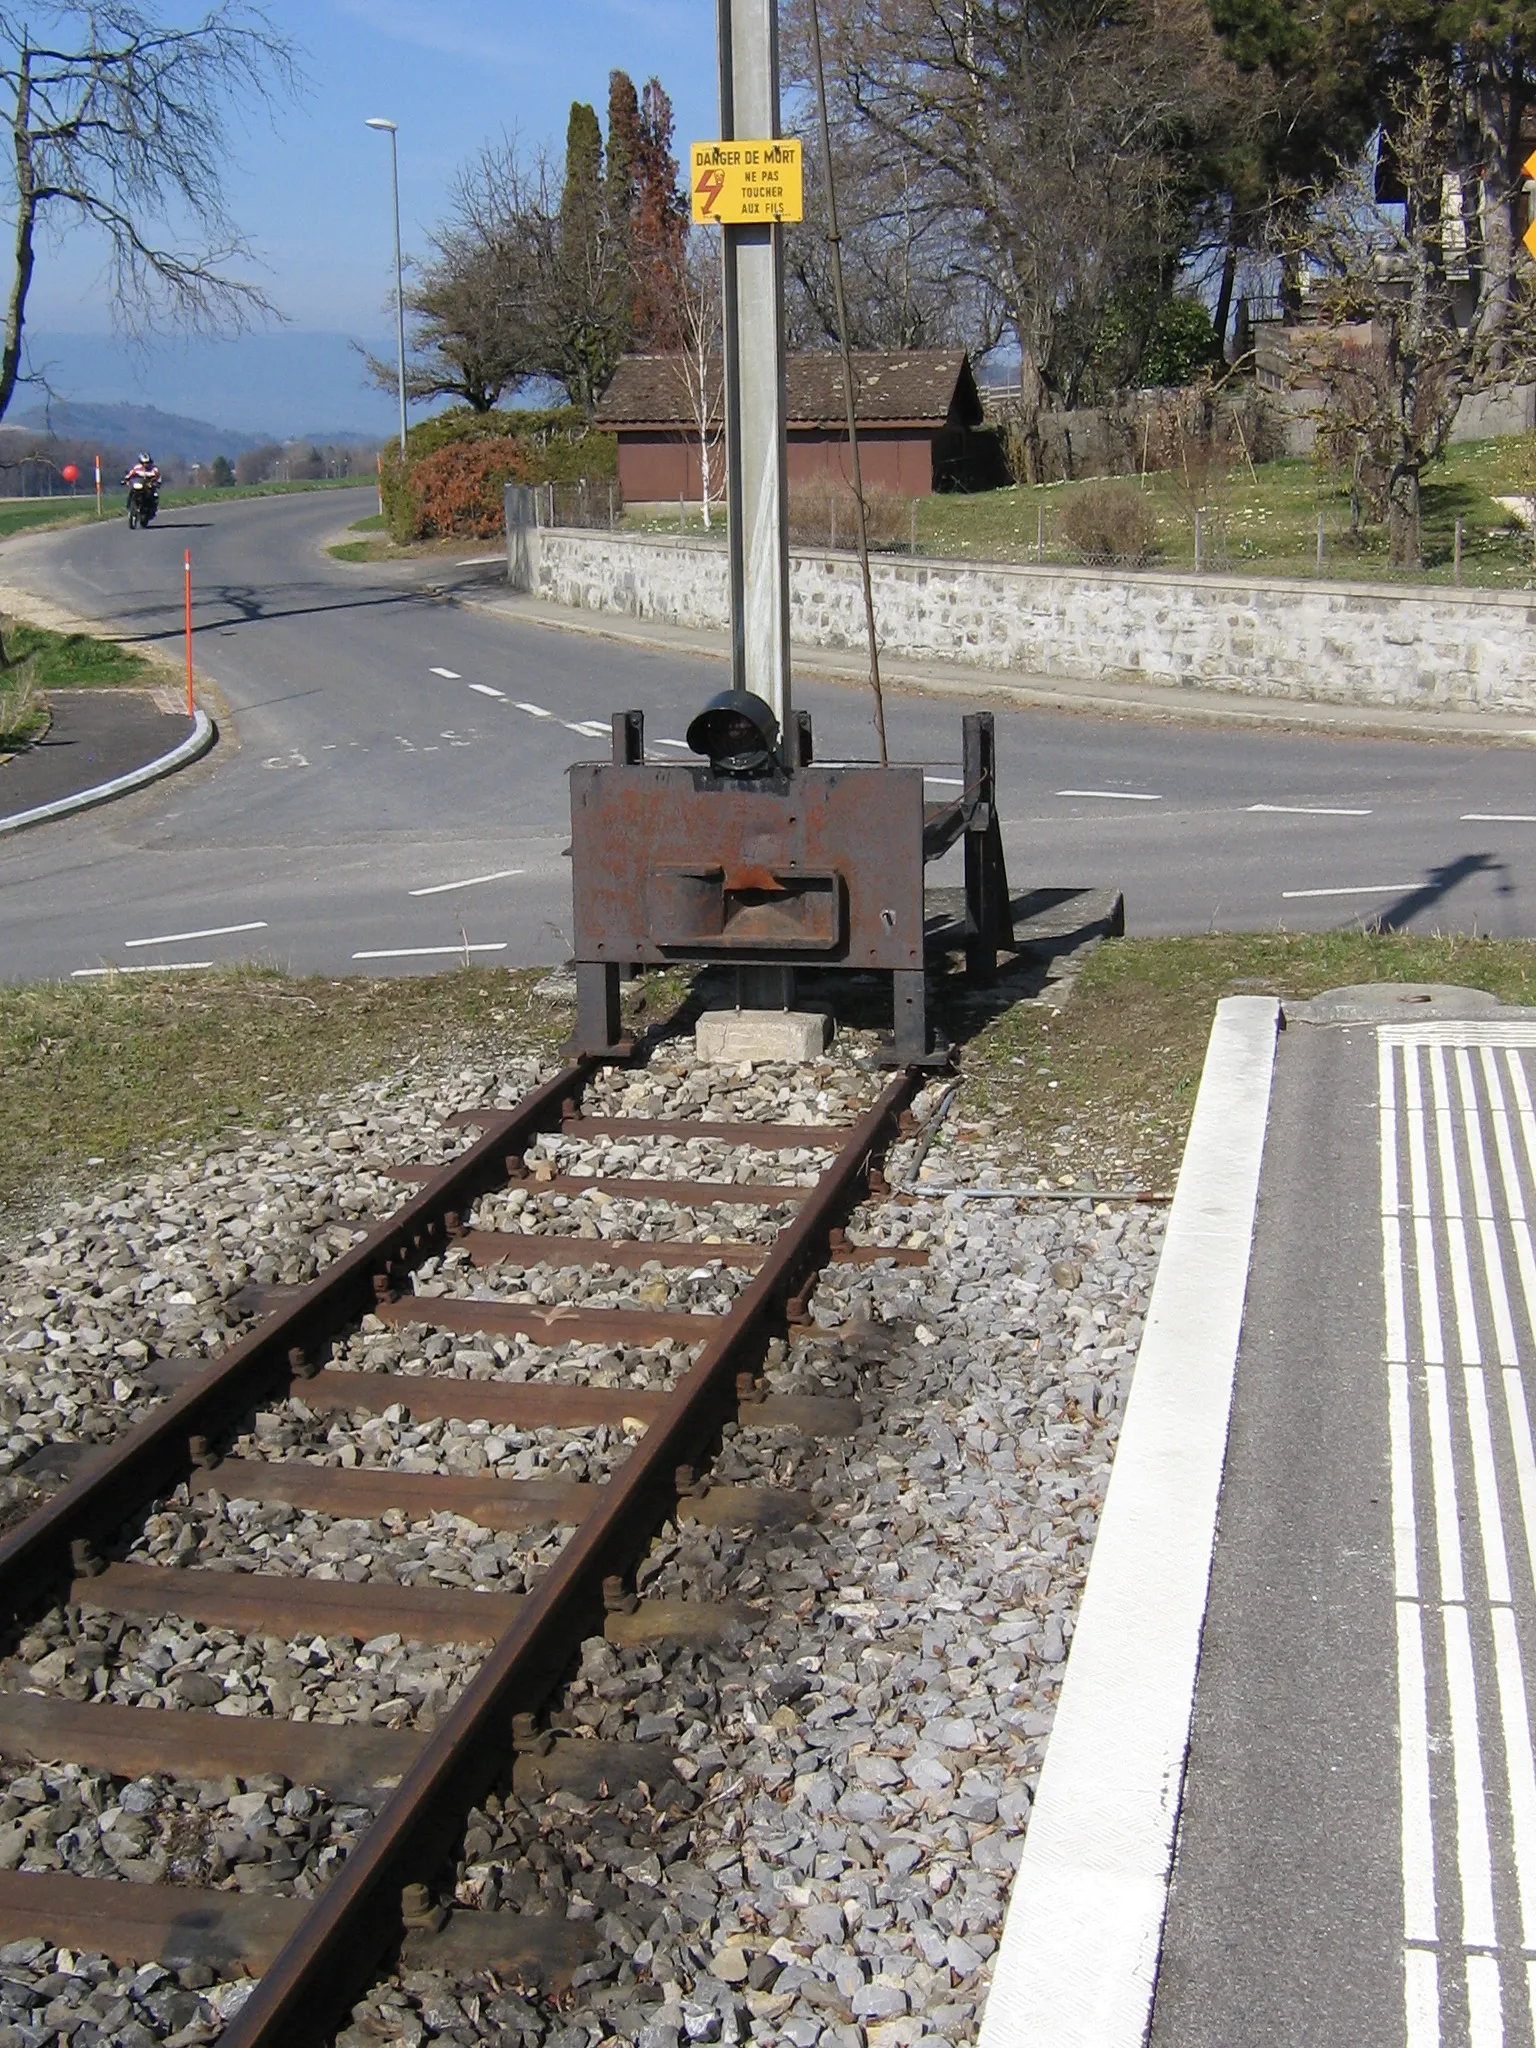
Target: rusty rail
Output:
[{"x": 316, "y": 1957}]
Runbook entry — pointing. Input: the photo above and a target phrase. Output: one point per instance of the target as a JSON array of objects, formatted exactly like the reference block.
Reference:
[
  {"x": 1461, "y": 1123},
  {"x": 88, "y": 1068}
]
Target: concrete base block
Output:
[{"x": 728, "y": 1036}]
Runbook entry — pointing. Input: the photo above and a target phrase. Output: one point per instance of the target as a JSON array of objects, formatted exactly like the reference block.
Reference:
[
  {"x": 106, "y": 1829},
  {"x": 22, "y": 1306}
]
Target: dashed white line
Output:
[
  {"x": 948, "y": 781},
  {"x": 1413, "y": 1763},
  {"x": 214, "y": 931},
  {"x": 424, "y": 952},
  {"x": 533, "y": 710},
  {"x": 469, "y": 882},
  {"x": 1442, "y": 1475},
  {"x": 1498, "y": 817},
  {"x": 1113, "y": 796},
  {"x": 1421, "y": 1997},
  {"x": 589, "y": 728},
  {"x": 1373, "y": 889},
  {"x": 1310, "y": 810},
  {"x": 481, "y": 562},
  {"x": 1474, "y": 1858},
  {"x": 449, "y": 675},
  {"x": 148, "y": 967},
  {"x": 486, "y": 691},
  {"x": 1516, "y": 1719}
]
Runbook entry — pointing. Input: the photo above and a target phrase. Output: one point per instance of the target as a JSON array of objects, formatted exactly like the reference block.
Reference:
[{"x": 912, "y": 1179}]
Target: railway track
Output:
[{"x": 680, "y": 1249}]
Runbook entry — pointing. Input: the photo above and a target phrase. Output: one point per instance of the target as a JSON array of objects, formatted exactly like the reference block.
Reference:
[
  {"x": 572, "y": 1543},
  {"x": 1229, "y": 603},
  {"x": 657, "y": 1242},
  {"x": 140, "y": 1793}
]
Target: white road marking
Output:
[
  {"x": 533, "y": 710},
  {"x": 1413, "y": 1763},
  {"x": 486, "y": 691},
  {"x": 1423, "y": 1225},
  {"x": 1391, "y": 1222},
  {"x": 1421, "y": 1997},
  {"x": 470, "y": 882},
  {"x": 1482, "y": 1196},
  {"x": 682, "y": 746},
  {"x": 1456, "y": 1235},
  {"x": 214, "y": 931},
  {"x": 946, "y": 781},
  {"x": 481, "y": 562},
  {"x": 1405, "y": 1532},
  {"x": 449, "y": 675},
  {"x": 1375, "y": 889},
  {"x": 1498, "y": 817},
  {"x": 1525, "y": 1457},
  {"x": 1113, "y": 796},
  {"x": 589, "y": 728},
  {"x": 1514, "y": 1716},
  {"x": 1310, "y": 810},
  {"x": 1474, "y": 1858},
  {"x": 156, "y": 967},
  {"x": 423, "y": 952},
  {"x": 1485, "y": 2014}
]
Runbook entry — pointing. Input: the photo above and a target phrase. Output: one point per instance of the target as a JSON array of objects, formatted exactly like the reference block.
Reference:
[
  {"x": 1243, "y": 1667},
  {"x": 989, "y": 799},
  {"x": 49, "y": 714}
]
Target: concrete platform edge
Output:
[
  {"x": 1078, "y": 1962},
  {"x": 197, "y": 742}
]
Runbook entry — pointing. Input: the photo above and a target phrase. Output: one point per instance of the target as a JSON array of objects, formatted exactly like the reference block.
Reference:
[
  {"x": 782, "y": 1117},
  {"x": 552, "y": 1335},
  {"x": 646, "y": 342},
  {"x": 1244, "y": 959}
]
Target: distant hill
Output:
[{"x": 166, "y": 434}]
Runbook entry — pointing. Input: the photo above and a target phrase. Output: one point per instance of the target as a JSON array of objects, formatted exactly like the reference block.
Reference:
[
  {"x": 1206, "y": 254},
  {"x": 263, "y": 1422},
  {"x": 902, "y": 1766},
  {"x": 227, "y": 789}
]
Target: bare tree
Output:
[
  {"x": 686, "y": 288},
  {"x": 1402, "y": 336},
  {"x": 116, "y": 124}
]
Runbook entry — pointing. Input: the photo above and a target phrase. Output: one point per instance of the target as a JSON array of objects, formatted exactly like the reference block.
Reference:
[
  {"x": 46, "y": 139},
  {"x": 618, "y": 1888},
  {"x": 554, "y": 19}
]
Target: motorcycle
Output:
[{"x": 143, "y": 501}]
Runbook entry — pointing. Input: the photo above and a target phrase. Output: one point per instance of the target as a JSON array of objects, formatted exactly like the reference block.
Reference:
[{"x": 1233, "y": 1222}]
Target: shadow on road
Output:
[{"x": 1438, "y": 885}]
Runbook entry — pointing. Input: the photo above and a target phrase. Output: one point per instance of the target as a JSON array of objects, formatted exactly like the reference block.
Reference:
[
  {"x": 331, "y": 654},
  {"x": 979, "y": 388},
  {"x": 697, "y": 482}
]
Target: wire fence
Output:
[{"x": 586, "y": 502}]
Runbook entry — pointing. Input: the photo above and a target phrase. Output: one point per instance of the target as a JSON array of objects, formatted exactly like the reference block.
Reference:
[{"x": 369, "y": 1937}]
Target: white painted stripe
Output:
[
  {"x": 1443, "y": 1487},
  {"x": 1376, "y": 889},
  {"x": 449, "y": 675},
  {"x": 1419, "y": 1921},
  {"x": 470, "y": 882},
  {"x": 1421, "y": 1997},
  {"x": 533, "y": 710},
  {"x": 423, "y": 952},
  {"x": 486, "y": 691},
  {"x": 1391, "y": 1202},
  {"x": 682, "y": 746},
  {"x": 1473, "y": 1857},
  {"x": 1514, "y": 1199},
  {"x": 1527, "y": 1114},
  {"x": 1431, "y": 1335},
  {"x": 144, "y": 967},
  {"x": 1405, "y": 1532},
  {"x": 1485, "y": 2017},
  {"x": 1310, "y": 810},
  {"x": 1100, "y": 1843},
  {"x": 1113, "y": 796},
  {"x": 1482, "y": 1197},
  {"x": 1485, "y": 1486},
  {"x": 1462, "y": 1031},
  {"x": 946, "y": 781},
  {"x": 1455, "y": 1229},
  {"x": 1514, "y": 1716},
  {"x": 481, "y": 562},
  {"x": 1498, "y": 817},
  {"x": 1525, "y": 1458},
  {"x": 589, "y": 728},
  {"x": 216, "y": 931}
]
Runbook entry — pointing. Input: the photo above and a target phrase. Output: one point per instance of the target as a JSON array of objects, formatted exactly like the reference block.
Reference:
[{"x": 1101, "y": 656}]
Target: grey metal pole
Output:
[
  {"x": 756, "y": 487},
  {"x": 394, "y": 182}
]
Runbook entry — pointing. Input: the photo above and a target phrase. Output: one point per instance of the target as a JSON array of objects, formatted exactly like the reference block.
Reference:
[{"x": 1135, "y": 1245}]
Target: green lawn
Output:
[
  {"x": 1265, "y": 522},
  {"x": 39, "y": 660}
]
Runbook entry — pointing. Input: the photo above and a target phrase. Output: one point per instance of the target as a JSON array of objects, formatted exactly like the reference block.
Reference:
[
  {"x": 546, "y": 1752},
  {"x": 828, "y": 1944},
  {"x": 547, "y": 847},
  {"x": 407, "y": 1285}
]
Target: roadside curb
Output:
[
  {"x": 1156, "y": 703},
  {"x": 1078, "y": 1962},
  {"x": 197, "y": 743}
]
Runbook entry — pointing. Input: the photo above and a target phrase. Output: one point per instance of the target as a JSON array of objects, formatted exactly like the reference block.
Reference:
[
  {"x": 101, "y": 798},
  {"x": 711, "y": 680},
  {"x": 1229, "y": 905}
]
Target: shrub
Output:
[
  {"x": 473, "y": 450},
  {"x": 1107, "y": 523},
  {"x": 822, "y": 514},
  {"x": 457, "y": 490}
]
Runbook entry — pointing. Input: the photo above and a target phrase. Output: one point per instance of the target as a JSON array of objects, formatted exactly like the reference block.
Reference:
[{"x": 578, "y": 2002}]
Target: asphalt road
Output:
[{"x": 390, "y": 787}]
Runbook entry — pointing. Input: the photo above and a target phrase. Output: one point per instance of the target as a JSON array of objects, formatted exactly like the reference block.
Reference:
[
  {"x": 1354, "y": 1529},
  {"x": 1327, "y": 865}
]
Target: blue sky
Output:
[{"x": 311, "y": 189}]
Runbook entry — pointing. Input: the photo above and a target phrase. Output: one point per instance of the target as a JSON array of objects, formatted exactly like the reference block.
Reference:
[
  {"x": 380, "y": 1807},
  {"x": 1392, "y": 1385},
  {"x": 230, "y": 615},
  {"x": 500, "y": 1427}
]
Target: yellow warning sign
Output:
[
  {"x": 738, "y": 183},
  {"x": 1529, "y": 237}
]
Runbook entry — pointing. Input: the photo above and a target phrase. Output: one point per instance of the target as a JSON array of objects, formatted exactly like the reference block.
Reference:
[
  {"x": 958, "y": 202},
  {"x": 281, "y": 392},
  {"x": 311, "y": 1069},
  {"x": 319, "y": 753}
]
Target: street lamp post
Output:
[{"x": 394, "y": 179}]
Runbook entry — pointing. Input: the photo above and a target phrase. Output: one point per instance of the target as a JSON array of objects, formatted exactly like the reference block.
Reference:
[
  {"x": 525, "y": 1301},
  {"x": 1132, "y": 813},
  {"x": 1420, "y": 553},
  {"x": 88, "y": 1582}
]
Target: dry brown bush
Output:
[
  {"x": 1108, "y": 523},
  {"x": 821, "y": 514}
]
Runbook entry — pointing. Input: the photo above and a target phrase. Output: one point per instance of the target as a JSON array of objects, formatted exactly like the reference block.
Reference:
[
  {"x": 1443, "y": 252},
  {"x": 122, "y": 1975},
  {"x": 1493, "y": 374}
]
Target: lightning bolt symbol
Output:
[{"x": 711, "y": 185}]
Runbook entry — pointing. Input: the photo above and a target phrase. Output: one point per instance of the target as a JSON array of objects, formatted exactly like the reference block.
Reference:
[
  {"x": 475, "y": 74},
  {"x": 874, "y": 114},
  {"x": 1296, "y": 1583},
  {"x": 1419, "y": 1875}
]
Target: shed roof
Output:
[{"x": 906, "y": 387}]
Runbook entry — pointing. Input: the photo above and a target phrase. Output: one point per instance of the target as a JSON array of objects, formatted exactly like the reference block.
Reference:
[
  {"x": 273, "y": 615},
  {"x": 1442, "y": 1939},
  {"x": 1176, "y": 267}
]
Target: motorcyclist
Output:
[
  {"x": 143, "y": 482},
  {"x": 144, "y": 472}
]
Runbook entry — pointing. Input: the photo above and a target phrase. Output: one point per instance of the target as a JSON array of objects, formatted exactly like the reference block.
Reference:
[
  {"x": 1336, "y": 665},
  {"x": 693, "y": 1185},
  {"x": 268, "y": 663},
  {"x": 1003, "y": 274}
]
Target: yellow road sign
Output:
[{"x": 737, "y": 183}]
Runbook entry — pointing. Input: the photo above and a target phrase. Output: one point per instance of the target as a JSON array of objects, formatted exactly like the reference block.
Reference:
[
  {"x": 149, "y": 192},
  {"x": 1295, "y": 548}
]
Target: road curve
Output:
[{"x": 390, "y": 793}]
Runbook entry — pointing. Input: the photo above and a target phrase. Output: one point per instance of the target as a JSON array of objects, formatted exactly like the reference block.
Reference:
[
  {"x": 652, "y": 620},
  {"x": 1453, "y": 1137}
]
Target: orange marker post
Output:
[
  {"x": 187, "y": 572},
  {"x": 98, "y": 487}
]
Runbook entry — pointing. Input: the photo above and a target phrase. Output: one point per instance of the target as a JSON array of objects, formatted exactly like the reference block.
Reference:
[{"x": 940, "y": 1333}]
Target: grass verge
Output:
[
  {"x": 93, "y": 1077},
  {"x": 1265, "y": 523},
  {"x": 38, "y": 660},
  {"x": 1103, "y": 1092}
]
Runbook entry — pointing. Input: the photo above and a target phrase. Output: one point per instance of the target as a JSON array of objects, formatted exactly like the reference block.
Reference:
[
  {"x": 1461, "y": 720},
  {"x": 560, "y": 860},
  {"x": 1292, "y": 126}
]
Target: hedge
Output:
[{"x": 456, "y": 463}]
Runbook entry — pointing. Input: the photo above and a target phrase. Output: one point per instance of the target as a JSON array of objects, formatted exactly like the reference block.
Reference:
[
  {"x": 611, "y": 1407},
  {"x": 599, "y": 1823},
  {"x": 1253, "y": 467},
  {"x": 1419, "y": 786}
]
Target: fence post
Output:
[
  {"x": 1319, "y": 543},
  {"x": 1040, "y": 531},
  {"x": 832, "y": 504},
  {"x": 610, "y": 508},
  {"x": 912, "y": 535},
  {"x": 682, "y": 516},
  {"x": 1457, "y": 558},
  {"x": 1199, "y": 541}
]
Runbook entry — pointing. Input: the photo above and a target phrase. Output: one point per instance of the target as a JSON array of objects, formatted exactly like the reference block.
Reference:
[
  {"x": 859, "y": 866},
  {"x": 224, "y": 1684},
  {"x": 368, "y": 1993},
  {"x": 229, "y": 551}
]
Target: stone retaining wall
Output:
[{"x": 1329, "y": 642}]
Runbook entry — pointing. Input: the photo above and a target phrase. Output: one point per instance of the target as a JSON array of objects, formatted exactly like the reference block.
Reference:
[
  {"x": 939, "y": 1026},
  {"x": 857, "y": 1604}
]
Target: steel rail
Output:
[
  {"x": 313, "y": 1979},
  {"x": 155, "y": 1454}
]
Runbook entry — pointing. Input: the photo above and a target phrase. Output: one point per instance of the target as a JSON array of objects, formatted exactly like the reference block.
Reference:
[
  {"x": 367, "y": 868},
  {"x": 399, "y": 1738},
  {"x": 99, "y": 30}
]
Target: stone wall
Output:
[{"x": 1330, "y": 642}]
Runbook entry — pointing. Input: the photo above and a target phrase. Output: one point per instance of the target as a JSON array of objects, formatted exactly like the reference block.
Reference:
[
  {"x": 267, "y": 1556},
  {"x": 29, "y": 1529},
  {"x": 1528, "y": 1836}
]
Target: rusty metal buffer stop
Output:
[{"x": 756, "y": 857}]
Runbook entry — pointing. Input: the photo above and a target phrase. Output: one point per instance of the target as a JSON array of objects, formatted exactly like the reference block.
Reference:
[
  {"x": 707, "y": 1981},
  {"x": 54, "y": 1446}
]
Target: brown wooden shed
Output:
[{"x": 918, "y": 411}]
